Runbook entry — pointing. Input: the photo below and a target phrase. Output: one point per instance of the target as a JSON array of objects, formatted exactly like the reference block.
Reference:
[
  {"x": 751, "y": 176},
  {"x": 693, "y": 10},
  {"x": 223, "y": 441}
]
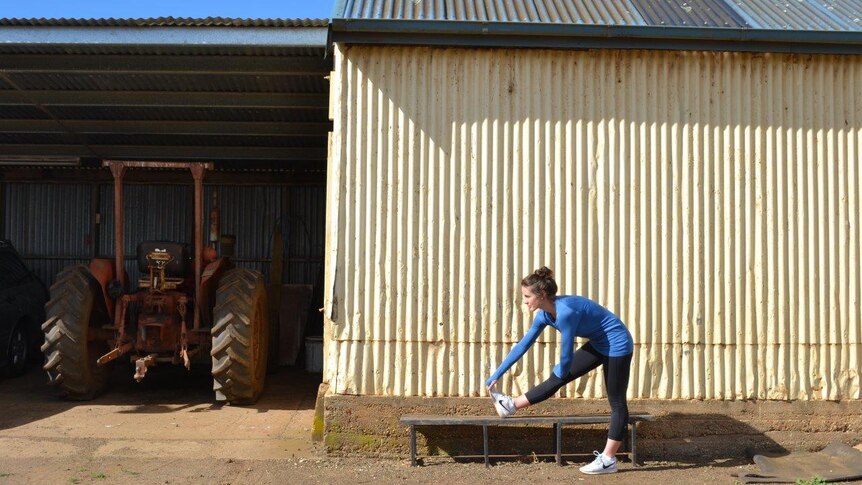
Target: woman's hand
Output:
[{"x": 491, "y": 385}]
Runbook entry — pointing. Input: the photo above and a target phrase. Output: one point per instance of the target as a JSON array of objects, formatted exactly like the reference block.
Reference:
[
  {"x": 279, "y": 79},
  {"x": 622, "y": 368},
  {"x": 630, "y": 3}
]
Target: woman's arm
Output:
[
  {"x": 568, "y": 322},
  {"x": 518, "y": 350}
]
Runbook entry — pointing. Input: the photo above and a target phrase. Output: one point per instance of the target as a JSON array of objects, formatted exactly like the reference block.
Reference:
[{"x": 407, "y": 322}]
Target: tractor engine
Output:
[{"x": 163, "y": 304}]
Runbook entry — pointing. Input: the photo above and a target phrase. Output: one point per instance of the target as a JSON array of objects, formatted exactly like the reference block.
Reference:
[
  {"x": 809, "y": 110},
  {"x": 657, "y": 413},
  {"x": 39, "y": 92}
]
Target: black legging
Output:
[{"x": 616, "y": 371}]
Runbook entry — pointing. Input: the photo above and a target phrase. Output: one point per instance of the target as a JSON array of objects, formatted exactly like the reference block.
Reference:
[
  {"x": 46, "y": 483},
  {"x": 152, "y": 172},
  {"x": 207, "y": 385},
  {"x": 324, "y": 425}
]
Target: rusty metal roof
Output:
[
  {"x": 827, "y": 26},
  {"x": 250, "y": 90}
]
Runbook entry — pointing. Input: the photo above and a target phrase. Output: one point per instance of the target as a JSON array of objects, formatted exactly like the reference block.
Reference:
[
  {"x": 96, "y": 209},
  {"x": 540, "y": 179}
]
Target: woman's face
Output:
[{"x": 530, "y": 299}]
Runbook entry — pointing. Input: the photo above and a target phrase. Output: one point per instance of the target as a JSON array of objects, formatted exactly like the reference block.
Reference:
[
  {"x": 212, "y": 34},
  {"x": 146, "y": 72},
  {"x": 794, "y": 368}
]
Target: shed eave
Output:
[
  {"x": 514, "y": 34},
  {"x": 165, "y": 36}
]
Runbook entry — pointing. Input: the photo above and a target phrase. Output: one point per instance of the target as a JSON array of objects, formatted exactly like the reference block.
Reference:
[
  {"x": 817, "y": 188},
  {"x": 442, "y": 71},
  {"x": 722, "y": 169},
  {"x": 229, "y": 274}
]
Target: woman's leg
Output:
[
  {"x": 584, "y": 360},
  {"x": 616, "y": 371}
]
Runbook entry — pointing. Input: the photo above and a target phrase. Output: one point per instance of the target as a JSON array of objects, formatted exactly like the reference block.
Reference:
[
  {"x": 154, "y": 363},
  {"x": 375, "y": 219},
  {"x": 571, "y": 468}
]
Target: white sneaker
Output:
[
  {"x": 600, "y": 465},
  {"x": 504, "y": 404}
]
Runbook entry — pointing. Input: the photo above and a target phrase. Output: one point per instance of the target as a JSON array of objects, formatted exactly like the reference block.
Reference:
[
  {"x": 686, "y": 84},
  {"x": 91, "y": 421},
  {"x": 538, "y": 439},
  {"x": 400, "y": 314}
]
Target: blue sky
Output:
[{"x": 165, "y": 8}]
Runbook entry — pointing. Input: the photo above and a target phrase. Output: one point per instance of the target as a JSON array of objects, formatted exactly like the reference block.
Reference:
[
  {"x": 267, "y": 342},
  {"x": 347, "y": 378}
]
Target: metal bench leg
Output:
[
  {"x": 634, "y": 443},
  {"x": 485, "y": 442},
  {"x": 412, "y": 445},
  {"x": 558, "y": 440}
]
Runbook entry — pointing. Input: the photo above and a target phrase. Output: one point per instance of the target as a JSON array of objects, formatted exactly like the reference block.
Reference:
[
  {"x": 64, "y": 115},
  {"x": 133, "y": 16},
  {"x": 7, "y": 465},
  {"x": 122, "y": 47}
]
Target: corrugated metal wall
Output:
[
  {"x": 52, "y": 224},
  {"x": 710, "y": 199},
  {"x": 53, "y": 221}
]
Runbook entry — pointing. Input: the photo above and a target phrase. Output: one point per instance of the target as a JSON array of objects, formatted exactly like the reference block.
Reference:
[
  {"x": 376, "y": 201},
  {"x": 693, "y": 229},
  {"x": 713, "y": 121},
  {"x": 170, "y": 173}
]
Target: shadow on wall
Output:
[{"x": 683, "y": 440}]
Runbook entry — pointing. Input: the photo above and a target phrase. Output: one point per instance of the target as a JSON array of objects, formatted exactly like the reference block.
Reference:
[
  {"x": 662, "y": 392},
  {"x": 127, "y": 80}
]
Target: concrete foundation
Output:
[{"x": 695, "y": 431}]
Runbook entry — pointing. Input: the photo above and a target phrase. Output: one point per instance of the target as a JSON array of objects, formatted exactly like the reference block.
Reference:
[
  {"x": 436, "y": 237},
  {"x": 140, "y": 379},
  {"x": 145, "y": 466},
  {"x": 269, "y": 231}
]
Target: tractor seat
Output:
[{"x": 178, "y": 267}]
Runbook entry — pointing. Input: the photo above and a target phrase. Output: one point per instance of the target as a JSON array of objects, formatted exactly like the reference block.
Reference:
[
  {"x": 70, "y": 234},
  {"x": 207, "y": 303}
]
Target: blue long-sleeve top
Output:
[{"x": 577, "y": 316}]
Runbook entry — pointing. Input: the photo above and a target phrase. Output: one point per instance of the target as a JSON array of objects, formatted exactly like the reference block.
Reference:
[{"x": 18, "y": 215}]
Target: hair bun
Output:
[
  {"x": 544, "y": 272},
  {"x": 541, "y": 282}
]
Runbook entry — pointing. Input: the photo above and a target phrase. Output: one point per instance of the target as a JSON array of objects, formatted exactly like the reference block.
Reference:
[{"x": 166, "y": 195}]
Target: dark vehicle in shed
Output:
[{"x": 22, "y": 310}]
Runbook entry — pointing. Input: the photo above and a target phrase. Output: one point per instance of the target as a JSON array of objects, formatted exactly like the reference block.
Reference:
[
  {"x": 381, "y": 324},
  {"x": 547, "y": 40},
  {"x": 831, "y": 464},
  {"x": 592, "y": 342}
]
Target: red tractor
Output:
[{"x": 182, "y": 312}]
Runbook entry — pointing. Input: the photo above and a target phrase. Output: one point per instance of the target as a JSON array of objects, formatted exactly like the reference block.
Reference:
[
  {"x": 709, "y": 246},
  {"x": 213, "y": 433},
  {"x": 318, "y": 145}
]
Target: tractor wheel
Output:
[
  {"x": 240, "y": 337},
  {"x": 70, "y": 357}
]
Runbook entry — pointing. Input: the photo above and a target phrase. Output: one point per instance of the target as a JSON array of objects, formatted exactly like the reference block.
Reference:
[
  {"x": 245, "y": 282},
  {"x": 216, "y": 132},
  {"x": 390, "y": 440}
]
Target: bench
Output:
[{"x": 485, "y": 421}]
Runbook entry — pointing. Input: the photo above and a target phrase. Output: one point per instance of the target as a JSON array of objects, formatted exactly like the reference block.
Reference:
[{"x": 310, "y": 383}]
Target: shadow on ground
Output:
[
  {"x": 675, "y": 441},
  {"x": 165, "y": 389}
]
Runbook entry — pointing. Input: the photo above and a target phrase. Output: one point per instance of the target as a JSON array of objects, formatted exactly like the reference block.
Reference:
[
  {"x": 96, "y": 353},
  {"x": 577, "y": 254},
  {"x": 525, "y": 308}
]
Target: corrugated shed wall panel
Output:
[
  {"x": 150, "y": 212},
  {"x": 710, "y": 199},
  {"x": 52, "y": 224},
  {"x": 165, "y": 212},
  {"x": 306, "y": 219},
  {"x": 49, "y": 220}
]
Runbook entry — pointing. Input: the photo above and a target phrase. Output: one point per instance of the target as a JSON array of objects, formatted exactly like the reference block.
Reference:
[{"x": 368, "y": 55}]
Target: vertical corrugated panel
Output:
[
  {"x": 305, "y": 231},
  {"x": 710, "y": 199},
  {"x": 166, "y": 212},
  {"x": 51, "y": 224},
  {"x": 49, "y": 220},
  {"x": 151, "y": 212},
  {"x": 252, "y": 213}
]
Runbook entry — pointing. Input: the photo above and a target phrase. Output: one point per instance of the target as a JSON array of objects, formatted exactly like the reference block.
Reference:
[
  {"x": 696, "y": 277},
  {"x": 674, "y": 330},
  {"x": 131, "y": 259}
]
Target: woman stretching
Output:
[{"x": 610, "y": 345}]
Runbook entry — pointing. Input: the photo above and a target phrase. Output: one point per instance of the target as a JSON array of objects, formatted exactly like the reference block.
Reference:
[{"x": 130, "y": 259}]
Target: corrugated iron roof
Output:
[
  {"x": 798, "y": 26},
  {"x": 203, "y": 114},
  {"x": 218, "y": 89},
  {"x": 170, "y": 83},
  {"x": 816, "y": 15},
  {"x": 689, "y": 13},
  {"x": 164, "y": 22},
  {"x": 803, "y": 15},
  {"x": 159, "y": 50},
  {"x": 539, "y": 11}
]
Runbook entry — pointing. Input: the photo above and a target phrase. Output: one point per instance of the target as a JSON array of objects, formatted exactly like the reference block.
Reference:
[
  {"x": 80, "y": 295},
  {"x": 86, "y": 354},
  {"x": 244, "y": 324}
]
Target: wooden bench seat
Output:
[{"x": 557, "y": 422}]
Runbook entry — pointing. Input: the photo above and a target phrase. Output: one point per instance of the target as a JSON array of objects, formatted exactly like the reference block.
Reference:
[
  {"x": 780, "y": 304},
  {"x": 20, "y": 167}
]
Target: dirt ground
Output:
[{"x": 168, "y": 430}]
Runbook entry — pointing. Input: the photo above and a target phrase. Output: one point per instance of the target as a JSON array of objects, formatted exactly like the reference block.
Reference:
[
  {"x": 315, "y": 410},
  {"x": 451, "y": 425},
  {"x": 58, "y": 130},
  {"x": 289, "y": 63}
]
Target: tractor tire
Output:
[
  {"x": 70, "y": 357},
  {"x": 240, "y": 337}
]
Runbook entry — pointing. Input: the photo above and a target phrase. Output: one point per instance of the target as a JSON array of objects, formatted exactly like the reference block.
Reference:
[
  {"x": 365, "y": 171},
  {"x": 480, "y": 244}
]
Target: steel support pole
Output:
[
  {"x": 118, "y": 169},
  {"x": 198, "y": 170}
]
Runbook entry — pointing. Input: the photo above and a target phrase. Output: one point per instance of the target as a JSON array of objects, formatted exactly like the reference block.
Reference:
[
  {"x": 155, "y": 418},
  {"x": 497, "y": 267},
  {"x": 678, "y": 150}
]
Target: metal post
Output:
[
  {"x": 558, "y": 439},
  {"x": 118, "y": 169},
  {"x": 412, "y": 445},
  {"x": 634, "y": 443},
  {"x": 198, "y": 174},
  {"x": 485, "y": 440}
]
